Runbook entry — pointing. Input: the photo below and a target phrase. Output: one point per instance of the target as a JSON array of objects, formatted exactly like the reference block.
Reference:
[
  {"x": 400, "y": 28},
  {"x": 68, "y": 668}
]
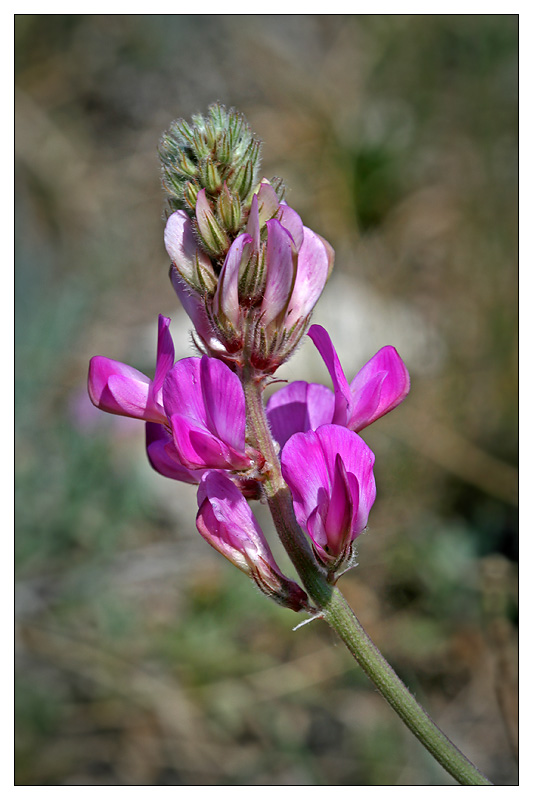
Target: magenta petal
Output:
[
  {"x": 120, "y": 389},
  {"x": 204, "y": 400},
  {"x": 219, "y": 536},
  {"x": 341, "y": 507},
  {"x": 131, "y": 396},
  {"x": 165, "y": 354},
  {"x": 229, "y": 506},
  {"x": 280, "y": 271},
  {"x": 163, "y": 456},
  {"x": 198, "y": 448},
  {"x": 381, "y": 385},
  {"x": 226, "y": 521},
  {"x": 358, "y": 460},
  {"x": 316, "y": 528},
  {"x": 182, "y": 391},
  {"x": 299, "y": 407},
  {"x": 343, "y": 397},
  {"x": 306, "y": 473},
  {"x": 311, "y": 277},
  {"x": 223, "y": 398}
]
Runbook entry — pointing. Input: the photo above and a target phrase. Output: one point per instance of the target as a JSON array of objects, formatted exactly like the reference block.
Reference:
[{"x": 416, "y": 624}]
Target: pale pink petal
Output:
[
  {"x": 291, "y": 222},
  {"x": 253, "y": 226},
  {"x": 226, "y": 298},
  {"x": 311, "y": 277},
  {"x": 182, "y": 247},
  {"x": 268, "y": 202},
  {"x": 279, "y": 273}
]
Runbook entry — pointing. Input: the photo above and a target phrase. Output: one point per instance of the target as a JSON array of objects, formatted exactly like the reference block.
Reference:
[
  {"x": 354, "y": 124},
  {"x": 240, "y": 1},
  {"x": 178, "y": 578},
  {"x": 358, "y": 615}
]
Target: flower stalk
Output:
[{"x": 334, "y": 609}]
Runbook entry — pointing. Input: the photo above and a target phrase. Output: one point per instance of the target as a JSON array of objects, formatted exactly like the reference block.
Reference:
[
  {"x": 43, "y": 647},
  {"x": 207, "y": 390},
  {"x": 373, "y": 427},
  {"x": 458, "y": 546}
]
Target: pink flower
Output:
[
  {"x": 204, "y": 403},
  {"x": 380, "y": 386},
  {"x": 330, "y": 474},
  {"x": 225, "y": 520},
  {"x": 119, "y": 389}
]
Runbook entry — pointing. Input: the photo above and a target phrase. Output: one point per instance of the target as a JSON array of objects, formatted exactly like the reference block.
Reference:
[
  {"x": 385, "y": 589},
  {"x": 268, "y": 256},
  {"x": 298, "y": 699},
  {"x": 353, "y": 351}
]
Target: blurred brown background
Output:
[{"x": 143, "y": 657}]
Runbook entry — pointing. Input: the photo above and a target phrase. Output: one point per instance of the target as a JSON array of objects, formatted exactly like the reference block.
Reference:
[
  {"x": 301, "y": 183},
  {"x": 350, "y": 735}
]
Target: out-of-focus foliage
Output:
[{"x": 143, "y": 657}]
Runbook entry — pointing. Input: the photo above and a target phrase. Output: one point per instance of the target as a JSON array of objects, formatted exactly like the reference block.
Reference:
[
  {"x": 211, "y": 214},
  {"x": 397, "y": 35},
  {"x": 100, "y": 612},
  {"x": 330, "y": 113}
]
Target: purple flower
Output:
[
  {"x": 204, "y": 403},
  {"x": 330, "y": 474},
  {"x": 225, "y": 520},
  {"x": 119, "y": 389},
  {"x": 380, "y": 386}
]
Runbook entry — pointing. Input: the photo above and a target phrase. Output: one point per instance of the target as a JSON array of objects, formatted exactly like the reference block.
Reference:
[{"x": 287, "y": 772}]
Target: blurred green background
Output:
[{"x": 143, "y": 657}]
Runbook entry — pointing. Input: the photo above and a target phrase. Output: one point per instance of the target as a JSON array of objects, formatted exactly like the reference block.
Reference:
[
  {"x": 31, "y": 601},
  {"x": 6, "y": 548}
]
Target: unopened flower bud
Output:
[
  {"x": 242, "y": 180},
  {"x": 186, "y": 165},
  {"x": 214, "y": 238},
  {"x": 223, "y": 149},
  {"x": 210, "y": 176},
  {"x": 229, "y": 209},
  {"x": 190, "y": 193}
]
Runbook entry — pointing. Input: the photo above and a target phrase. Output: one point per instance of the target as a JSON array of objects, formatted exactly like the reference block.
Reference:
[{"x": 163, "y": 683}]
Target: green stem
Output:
[{"x": 333, "y": 606}]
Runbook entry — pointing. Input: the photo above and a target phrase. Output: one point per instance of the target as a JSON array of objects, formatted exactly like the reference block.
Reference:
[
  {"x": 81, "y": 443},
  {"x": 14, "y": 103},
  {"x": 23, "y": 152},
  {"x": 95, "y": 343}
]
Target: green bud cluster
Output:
[{"x": 218, "y": 153}]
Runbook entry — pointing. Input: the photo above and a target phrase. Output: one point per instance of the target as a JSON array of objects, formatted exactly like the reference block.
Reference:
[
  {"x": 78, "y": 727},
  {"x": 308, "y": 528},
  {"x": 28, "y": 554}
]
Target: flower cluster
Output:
[{"x": 249, "y": 274}]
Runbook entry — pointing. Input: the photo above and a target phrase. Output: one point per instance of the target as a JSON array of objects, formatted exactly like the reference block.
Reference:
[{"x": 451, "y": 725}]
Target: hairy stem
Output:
[{"x": 333, "y": 606}]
